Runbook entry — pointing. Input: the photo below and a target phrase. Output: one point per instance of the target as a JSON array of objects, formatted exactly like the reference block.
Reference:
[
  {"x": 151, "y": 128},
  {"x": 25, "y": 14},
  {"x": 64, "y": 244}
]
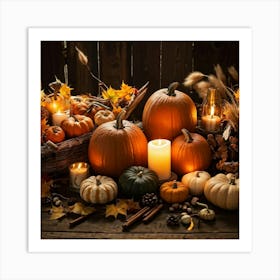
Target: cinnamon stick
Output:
[
  {"x": 79, "y": 220},
  {"x": 152, "y": 213},
  {"x": 134, "y": 218}
]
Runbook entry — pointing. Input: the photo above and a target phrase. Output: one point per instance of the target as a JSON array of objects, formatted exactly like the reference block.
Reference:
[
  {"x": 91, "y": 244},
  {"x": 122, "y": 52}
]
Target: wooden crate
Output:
[{"x": 57, "y": 160}]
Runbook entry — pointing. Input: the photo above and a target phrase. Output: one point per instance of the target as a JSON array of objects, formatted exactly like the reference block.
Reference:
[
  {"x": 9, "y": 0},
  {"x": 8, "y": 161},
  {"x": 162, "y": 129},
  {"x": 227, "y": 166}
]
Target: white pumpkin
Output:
[
  {"x": 98, "y": 189},
  {"x": 223, "y": 191},
  {"x": 196, "y": 181}
]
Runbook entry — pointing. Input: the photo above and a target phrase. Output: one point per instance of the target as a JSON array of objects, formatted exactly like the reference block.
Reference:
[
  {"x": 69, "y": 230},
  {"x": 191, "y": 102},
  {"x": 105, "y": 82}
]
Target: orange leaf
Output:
[{"x": 45, "y": 188}]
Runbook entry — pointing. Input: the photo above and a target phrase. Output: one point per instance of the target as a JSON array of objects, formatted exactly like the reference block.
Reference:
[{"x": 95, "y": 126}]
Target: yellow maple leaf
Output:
[
  {"x": 111, "y": 94},
  {"x": 57, "y": 212},
  {"x": 80, "y": 209},
  {"x": 115, "y": 209},
  {"x": 65, "y": 91},
  {"x": 127, "y": 89}
]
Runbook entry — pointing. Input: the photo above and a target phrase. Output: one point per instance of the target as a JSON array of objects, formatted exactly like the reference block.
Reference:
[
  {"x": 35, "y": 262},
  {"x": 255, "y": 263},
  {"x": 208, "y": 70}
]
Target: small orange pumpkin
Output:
[
  {"x": 190, "y": 152},
  {"x": 167, "y": 111},
  {"x": 77, "y": 125},
  {"x": 78, "y": 106},
  {"x": 174, "y": 192},
  {"x": 54, "y": 134}
]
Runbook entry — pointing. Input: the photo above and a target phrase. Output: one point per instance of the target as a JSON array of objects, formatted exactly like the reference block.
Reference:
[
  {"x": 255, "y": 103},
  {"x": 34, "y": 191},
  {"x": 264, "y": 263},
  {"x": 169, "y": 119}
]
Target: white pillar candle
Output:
[
  {"x": 159, "y": 157},
  {"x": 79, "y": 171},
  {"x": 58, "y": 117}
]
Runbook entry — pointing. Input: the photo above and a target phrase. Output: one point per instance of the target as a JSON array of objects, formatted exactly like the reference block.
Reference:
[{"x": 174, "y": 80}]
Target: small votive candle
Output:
[
  {"x": 159, "y": 157},
  {"x": 58, "y": 117},
  {"x": 79, "y": 171},
  {"x": 211, "y": 123}
]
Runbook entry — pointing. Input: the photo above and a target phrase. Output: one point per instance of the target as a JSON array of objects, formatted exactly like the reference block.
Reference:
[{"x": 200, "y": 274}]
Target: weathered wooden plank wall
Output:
[{"x": 135, "y": 63}]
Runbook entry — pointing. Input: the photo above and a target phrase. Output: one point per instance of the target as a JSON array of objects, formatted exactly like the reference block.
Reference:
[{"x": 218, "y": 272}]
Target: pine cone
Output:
[
  {"x": 149, "y": 199},
  {"x": 173, "y": 220}
]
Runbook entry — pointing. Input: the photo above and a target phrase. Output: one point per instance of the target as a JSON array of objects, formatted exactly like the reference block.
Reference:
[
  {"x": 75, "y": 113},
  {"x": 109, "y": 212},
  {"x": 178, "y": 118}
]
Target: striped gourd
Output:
[{"x": 98, "y": 189}]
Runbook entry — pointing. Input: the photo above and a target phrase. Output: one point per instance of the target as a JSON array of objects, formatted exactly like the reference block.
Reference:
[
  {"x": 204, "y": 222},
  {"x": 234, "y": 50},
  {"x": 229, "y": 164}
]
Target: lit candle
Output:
[
  {"x": 58, "y": 117},
  {"x": 159, "y": 157},
  {"x": 211, "y": 122},
  {"x": 53, "y": 107},
  {"x": 79, "y": 171}
]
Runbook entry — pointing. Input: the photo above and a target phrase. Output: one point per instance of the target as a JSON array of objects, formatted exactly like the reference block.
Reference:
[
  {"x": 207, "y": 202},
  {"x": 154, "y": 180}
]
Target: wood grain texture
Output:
[
  {"x": 115, "y": 63},
  {"x": 226, "y": 225},
  {"x": 79, "y": 77},
  {"x": 176, "y": 62}
]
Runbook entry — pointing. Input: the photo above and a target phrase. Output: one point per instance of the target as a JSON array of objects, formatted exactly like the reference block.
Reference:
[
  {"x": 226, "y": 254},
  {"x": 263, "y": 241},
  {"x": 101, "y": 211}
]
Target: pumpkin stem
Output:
[
  {"x": 140, "y": 173},
  {"x": 202, "y": 205},
  {"x": 232, "y": 180},
  {"x": 171, "y": 89},
  {"x": 174, "y": 184},
  {"x": 197, "y": 174},
  {"x": 188, "y": 137},
  {"x": 98, "y": 182},
  {"x": 119, "y": 120}
]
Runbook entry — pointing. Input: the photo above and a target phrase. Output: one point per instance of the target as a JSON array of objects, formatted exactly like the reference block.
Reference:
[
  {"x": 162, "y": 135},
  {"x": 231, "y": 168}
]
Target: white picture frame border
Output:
[{"x": 243, "y": 35}]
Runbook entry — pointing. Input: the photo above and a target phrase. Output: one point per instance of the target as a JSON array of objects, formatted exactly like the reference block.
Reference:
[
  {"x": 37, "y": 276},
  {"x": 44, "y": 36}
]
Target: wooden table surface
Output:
[{"x": 225, "y": 226}]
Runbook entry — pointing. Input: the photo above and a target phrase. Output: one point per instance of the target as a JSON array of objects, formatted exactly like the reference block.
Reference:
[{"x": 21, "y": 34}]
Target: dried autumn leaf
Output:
[
  {"x": 110, "y": 94},
  {"x": 132, "y": 205},
  {"x": 65, "y": 91},
  {"x": 57, "y": 212},
  {"x": 80, "y": 209},
  {"x": 115, "y": 209},
  {"x": 45, "y": 188},
  {"x": 44, "y": 124}
]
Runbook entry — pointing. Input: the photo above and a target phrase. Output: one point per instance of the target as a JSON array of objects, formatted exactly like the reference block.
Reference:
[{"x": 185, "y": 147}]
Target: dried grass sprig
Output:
[
  {"x": 202, "y": 88},
  {"x": 231, "y": 114},
  {"x": 84, "y": 60},
  {"x": 219, "y": 73},
  {"x": 193, "y": 78},
  {"x": 218, "y": 84},
  {"x": 233, "y": 73}
]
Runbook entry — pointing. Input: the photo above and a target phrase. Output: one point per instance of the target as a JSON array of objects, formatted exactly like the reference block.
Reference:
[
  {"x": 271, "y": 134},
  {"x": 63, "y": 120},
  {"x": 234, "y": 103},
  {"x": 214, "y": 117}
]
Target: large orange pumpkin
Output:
[
  {"x": 116, "y": 145},
  {"x": 167, "y": 111},
  {"x": 190, "y": 152}
]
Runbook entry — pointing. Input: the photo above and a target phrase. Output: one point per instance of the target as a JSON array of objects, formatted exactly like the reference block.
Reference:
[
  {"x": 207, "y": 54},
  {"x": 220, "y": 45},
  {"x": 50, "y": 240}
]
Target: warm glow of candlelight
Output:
[
  {"x": 212, "y": 111},
  {"x": 79, "y": 171},
  {"x": 58, "y": 118},
  {"x": 159, "y": 157}
]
